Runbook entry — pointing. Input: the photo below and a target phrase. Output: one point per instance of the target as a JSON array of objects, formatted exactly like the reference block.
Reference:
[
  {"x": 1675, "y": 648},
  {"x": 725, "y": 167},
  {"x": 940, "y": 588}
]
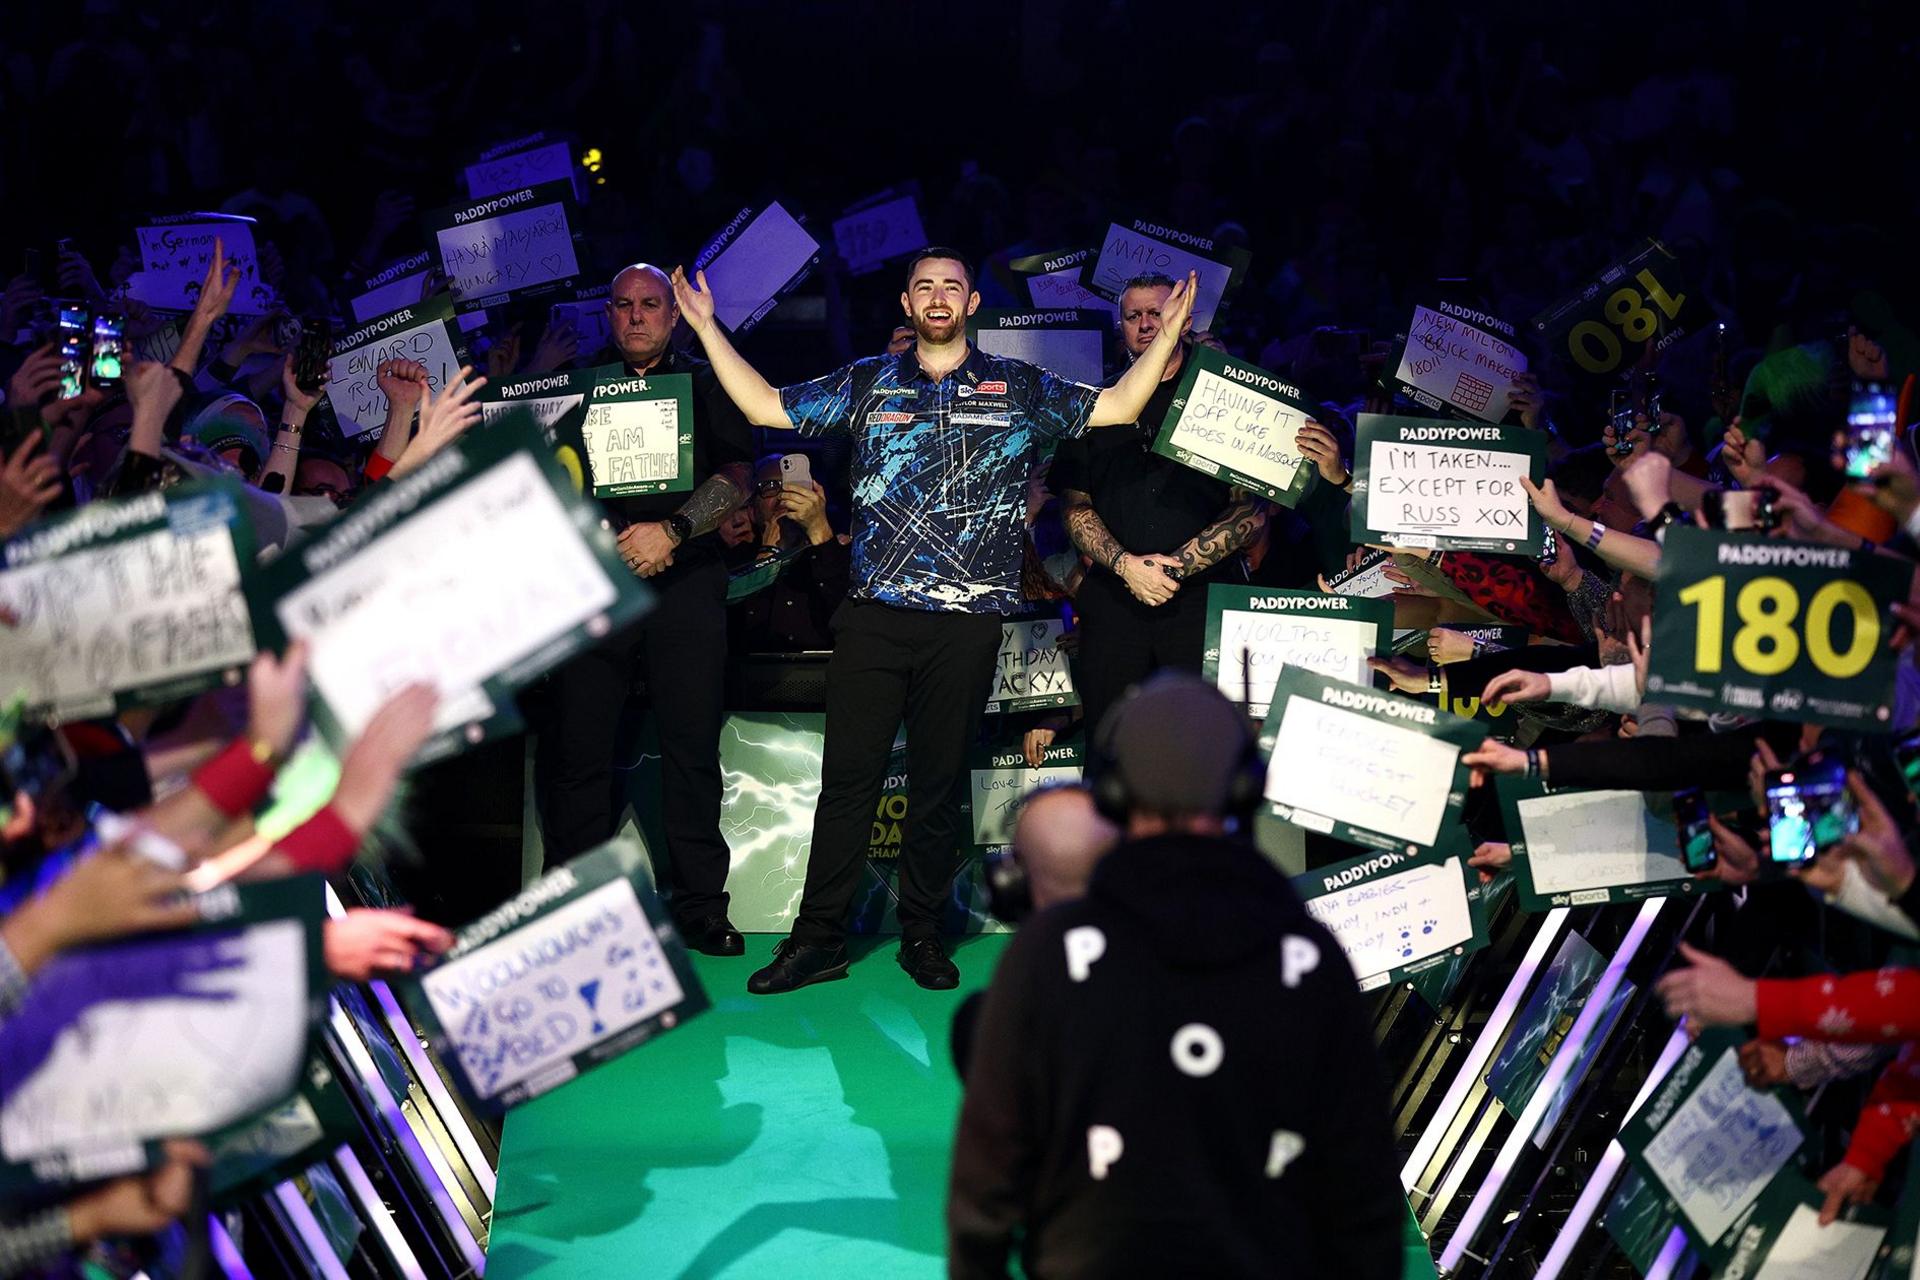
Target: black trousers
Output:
[
  {"x": 935, "y": 671},
  {"x": 682, "y": 645},
  {"x": 1122, "y": 641}
]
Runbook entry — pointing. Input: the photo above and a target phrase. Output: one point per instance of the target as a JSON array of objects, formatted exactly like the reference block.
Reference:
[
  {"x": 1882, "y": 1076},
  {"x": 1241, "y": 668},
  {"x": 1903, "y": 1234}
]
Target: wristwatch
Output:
[
  {"x": 1670, "y": 514},
  {"x": 680, "y": 527}
]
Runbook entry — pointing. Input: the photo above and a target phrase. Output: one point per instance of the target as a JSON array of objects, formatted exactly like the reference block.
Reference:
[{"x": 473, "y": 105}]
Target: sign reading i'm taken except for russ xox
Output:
[
  {"x": 638, "y": 433},
  {"x": 1253, "y": 633},
  {"x": 128, "y": 601},
  {"x": 1459, "y": 358},
  {"x": 1396, "y": 916},
  {"x": 1586, "y": 848},
  {"x": 1139, "y": 247},
  {"x": 1236, "y": 421},
  {"x": 517, "y": 244},
  {"x": 1370, "y": 767},
  {"x": 423, "y": 332},
  {"x": 1604, "y": 325},
  {"x": 194, "y": 1033},
  {"x": 753, "y": 262},
  {"x": 580, "y": 968},
  {"x": 1450, "y": 486},
  {"x": 474, "y": 574},
  {"x": 1032, "y": 669},
  {"x": 1771, "y": 628},
  {"x": 1072, "y": 344},
  {"x": 1000, "y": 778}
]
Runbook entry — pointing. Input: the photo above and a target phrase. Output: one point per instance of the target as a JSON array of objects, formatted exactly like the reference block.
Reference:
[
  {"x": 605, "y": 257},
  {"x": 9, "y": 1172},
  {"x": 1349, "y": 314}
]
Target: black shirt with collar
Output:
[{"x": 1151, "y": 504}]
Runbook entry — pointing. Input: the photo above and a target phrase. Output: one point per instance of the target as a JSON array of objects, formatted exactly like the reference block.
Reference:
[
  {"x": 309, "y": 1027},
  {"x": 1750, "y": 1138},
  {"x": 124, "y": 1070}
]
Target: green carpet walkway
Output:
[{"x": 796, "y": 1136}]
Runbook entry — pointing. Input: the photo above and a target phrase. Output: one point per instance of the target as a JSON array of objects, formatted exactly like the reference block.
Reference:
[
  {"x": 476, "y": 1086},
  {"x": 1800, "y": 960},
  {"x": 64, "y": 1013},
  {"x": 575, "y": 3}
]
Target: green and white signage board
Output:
[
  {"x": 128, "y": 601},
  {"x": 422, "y": 332},
  {"x": 1772, "y": 628},
  {"x": 1587, "y": 848},
  {"x": 581, "y": 967},
  {"x": 1255, "y": 632},
  {"x": 1072, "y": 344},
  {"x": 475, "y": 573},
  {"x": 1032, "y": 670},
  {"x": 638, "y": 433},
  {"x": 193, "y": 1033},
  {"x": 557, "y": 401},
  {"x": 1052, "y": 282},
  {"x": 1708, "y": 1140},
  {"x": 1420, "y": 482},
  {"x": 1397, "y": 915},
  {"x": 1000, "y": 778},
  {"x": 1459, "y": 358},
  {"x": 1780, "y": 1237},
  {"x": 1236, "y": 422},
  {"x": 1373, "y": 768}
]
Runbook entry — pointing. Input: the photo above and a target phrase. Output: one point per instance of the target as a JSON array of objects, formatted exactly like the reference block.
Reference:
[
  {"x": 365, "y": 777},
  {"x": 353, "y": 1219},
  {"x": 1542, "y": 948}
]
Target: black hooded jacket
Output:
[{"x": 1174, "y": 1076}]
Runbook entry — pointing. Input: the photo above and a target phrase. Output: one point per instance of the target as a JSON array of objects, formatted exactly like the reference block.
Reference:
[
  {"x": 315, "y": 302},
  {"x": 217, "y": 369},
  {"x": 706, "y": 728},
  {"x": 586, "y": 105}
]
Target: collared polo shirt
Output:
[{"x": 940, "y": 470}]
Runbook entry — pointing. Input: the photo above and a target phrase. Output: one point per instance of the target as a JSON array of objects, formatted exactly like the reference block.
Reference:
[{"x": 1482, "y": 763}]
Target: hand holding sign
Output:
[
  {"x": 142, "y": 1204},
  {"x": 443, "y": 419},
  {"x": 1319, "y": 446},
  {"x": 367, "y": 941}
]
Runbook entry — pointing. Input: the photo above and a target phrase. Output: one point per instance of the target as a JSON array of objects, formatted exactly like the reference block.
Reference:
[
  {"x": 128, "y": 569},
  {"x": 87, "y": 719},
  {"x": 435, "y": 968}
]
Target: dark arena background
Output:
[{"x": 1652, "y": 255}]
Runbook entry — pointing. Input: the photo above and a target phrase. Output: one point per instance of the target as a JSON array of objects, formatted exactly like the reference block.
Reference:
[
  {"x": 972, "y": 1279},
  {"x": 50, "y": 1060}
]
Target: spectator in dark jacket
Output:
[{"x": 1173, "y": 1075}]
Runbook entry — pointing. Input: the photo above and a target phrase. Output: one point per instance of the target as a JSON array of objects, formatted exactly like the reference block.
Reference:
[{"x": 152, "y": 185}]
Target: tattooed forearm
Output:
[
  {"x": 1233, "y": 532},
  {"x": 715, "y": 499},
  {"x": 1089, "y": 533}
]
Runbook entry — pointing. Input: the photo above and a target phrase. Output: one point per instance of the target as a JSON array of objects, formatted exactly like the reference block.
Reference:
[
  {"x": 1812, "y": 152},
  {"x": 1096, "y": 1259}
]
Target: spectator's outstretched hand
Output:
[
  {"x": 277, "y": 697},
  {"x": 696, "y": 304},
  {"x": 29, "y": 480},
  {"x": 367, "y": 941},
  {"x": 1876, "y": 846},
  {"x": 37, "y": 378},
  {"x": 1710, "y": 992},
  {"x": 1516, "y": 686},
  {"x": 381, "y": 753},
  {"x": 143, "y": 1203},
  {"x": 443, "y": 419}
]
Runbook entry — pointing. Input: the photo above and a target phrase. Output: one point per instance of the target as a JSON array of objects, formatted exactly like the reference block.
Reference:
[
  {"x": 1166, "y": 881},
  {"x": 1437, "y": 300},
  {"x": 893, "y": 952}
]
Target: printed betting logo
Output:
[{"x": 1470, "y": 393}]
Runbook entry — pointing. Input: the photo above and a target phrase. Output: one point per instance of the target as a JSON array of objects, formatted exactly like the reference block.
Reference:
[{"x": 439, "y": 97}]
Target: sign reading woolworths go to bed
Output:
[
  {"x": 1236, "y": 421},
  {"x": 1449, "y": 486},
  {"x": 1775, "y": 628}
]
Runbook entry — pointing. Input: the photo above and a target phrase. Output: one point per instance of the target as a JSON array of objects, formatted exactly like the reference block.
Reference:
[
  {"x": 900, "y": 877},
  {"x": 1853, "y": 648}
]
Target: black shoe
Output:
[
  {"x": 926, "y": 960},
  {"x": 796, "y": 965},
  {"x": 714, "y": 935}
]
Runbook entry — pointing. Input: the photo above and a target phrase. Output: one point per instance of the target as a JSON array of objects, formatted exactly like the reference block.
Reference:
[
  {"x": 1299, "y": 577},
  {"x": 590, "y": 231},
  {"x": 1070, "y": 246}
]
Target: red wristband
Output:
[
  {"x": 378, "y": 465},
  {"x": 237, "y": 779},
  {"x": 323, "y": 843}
]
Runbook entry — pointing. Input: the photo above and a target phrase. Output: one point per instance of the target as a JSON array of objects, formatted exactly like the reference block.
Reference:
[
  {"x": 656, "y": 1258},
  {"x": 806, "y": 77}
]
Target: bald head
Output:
[
  {"x": 1059, "y": 838},
  {"x": 642, "y": 313}
]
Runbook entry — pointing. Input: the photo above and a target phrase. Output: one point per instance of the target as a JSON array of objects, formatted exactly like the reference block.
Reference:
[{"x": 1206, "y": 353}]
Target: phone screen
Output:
[
  {"x": 1808, "y": 809},
  {"x": 1872, "y": 421},
  {"x": 74, "y": 351},
  {"x": 1696, "y": 838},
  {"x": 109, "y": 351}
]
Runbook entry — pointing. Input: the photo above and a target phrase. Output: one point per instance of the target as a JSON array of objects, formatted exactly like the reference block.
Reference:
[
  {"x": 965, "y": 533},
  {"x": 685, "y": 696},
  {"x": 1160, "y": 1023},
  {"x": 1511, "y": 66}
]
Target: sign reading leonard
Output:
[{"x": 1446, "y": 485}]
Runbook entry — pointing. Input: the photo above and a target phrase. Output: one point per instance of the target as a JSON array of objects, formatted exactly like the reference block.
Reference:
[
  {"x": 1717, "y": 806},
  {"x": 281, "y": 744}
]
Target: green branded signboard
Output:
[
  {"x": 1605, "y": 325},
  {"x": 1397, "y": 915},
  {"x": 1235, "y": 421},
  {"x": 638, "y": 435},
  {"x": 128, "y": 602},
  {"x": 1253, "y": 633},
  {"x": 1422, "y": 482},
  {"x": 1772, "y": 628},
  {"x": 476, "y": 573},
  {"x": 1031, "y": 669},
  {"x": 1574, "y": 848},
  {"x": 1369, "y": 767},
  {"x": 999, "y": 778}
]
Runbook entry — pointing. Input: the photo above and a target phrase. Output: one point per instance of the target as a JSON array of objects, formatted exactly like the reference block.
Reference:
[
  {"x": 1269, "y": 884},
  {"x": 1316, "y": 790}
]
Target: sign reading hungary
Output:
[
  {"x": 1419, "y": 482},
  {"x": 1774, "y": 628},
  {"x": 1236, "y": 421}
]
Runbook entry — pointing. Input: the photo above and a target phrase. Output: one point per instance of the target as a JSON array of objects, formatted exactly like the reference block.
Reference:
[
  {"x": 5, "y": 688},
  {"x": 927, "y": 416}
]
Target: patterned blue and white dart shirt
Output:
[{"x": 940, "y": 471}]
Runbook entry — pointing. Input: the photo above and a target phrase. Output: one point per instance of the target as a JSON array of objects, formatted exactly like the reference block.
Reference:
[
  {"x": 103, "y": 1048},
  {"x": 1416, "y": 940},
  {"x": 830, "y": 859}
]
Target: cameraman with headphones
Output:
[{"x": 1173, "y": 1075}]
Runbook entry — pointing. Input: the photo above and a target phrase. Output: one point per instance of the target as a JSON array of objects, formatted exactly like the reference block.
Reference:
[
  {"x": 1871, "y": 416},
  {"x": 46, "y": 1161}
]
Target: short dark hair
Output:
[
  {"x": 1151, "y": 280},
  {"x": 940, "y": 251}
]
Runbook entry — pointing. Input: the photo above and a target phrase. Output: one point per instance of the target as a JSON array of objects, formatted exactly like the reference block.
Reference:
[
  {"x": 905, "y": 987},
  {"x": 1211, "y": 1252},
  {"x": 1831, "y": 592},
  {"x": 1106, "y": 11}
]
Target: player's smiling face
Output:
[{"x": 938, "y": 300}]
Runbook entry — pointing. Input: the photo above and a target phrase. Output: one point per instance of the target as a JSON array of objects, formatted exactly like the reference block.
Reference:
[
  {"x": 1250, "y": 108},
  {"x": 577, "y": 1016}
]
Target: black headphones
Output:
[{"x": 1113, "y": 799}]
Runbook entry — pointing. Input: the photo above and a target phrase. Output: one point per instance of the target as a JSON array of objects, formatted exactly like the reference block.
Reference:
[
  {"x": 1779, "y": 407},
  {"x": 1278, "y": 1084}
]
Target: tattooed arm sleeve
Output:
[
  {"x": 716, "y": 498},
  {"x": 1089, "y": 533},
  {"x": 1232, "y": 532}
]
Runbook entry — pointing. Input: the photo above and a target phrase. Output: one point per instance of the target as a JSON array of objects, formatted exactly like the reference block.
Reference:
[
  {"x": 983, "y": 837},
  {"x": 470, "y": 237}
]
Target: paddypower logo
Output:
[
  {"x": 1480, "y": 318},
  {"x": 626, "y": 387},
  {"x": 1449, "y": 433},
  {"x": 495, "y": 205},
  {"x": 1397, "y": 708},
  {"x": 1293, "y": 604},
  {"x": 1254, "y": 378},
  {"x": 1169, "y": 234},
  {"x": 1362, "y": 871}
]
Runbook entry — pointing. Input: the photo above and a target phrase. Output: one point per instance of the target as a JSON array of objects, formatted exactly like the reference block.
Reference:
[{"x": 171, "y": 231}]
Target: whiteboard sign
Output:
[
  {"x": 420, "y": 333},
  {"x": 1393, "y": 917},
  {"x": 175, "y": 254},
  {"x": 1253, "y": 633},
  {"x": 1031, "y": 669},
  {"x": 756, "y": 258}
]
